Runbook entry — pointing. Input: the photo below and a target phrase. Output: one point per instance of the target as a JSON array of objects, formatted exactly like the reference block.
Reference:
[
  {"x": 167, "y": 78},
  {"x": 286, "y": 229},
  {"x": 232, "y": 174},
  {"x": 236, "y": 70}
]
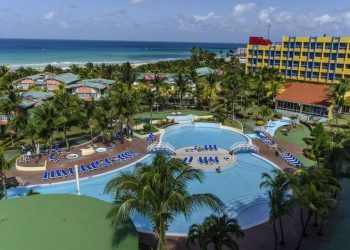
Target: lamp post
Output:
[{"x": 77, "y": 179}]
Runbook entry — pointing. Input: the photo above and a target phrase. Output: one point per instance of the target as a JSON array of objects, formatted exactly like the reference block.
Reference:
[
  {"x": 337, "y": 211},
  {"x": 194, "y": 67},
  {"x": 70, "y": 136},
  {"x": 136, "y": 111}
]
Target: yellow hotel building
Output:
[{"x": 315, "y": 59}]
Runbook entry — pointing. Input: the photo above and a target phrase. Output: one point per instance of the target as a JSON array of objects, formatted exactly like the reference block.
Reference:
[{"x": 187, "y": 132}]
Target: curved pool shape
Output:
[{"x": 237, "y": 186}]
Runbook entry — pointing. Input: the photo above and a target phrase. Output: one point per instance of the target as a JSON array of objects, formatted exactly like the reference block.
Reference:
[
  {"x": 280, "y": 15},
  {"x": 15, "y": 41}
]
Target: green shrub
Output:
[
  {"x": 259, "y": 123},
  {"x": 308, "y": 154},
  {"x": 147, "y": 127},
  {"x": 220, "y": 118},
  {"x": 279, "y": 115}
]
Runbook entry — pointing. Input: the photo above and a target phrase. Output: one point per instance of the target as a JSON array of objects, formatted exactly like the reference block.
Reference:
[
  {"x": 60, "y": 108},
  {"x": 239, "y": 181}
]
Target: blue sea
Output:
[{"x": 38, "y": 53}]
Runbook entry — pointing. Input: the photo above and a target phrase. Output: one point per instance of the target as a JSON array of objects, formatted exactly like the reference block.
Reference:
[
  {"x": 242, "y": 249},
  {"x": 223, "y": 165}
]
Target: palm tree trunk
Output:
[
  {"x": 316, "y": 220},
  {"x": 275, "y": 234},
  {"x": 66, "y": 139},
  {"x": 4, "y": 185},
  {"x": 211, "y": 99},
  {"x": 91, "y": 134},
  {"x": 233, "y": 110},
  {"x": 282, "y": 233},
  {"x": 151, "y": 118},
  {"x": 302, "y": 218},
  {"x": 320, "y": 232},
  {"x": 304, "y": 230},
  {"x": 12, "y": 142}
]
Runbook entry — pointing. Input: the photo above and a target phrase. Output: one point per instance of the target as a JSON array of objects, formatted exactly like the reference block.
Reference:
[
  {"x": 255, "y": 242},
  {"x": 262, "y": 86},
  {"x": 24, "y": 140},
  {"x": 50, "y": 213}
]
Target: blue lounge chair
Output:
[
  {"x": 52, "y": 158},
  {"x": 71, "y": 171},
  {"x": 191, "y": 159},
  {"x": 82, "y": 168},
  {"x": 205, "y": 159},
  {"x": 58, "y": 173},
  {"x": 206, "y": 148},
  {"x": 217, "y": 161},
  {"x": 45, "y": 175},
  {"x": 52, "y": 174},
  {"x": 185, "y": 159},
  {"x": 211, "y": 160},
  {"x": 200, "y": 160},
  {"x": 64, "y": 172},
  {"x": 211, "y": 148},
  {"x": 107, "y": 161},
  {"x": 88, "y": 167},
  {"x": 215, "y": 147}
]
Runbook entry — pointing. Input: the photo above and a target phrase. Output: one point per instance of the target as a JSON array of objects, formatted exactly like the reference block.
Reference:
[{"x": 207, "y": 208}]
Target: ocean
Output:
[{"x": 37, "y": 52}]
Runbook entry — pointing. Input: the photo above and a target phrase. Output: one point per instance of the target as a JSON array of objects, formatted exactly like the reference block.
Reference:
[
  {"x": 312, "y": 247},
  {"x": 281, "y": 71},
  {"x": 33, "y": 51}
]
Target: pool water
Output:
[{"x": 237, "y": 186}]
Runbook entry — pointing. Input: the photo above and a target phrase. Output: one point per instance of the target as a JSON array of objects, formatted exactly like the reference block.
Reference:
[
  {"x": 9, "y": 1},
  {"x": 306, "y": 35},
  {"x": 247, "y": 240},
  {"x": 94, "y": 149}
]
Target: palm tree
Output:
[
  {"x": 280, "y": 198},
  {"x": 181, "y": 82},
  {"x": 43, "y": 118},
  {"x": 211, "y": 79},
  {"x": 159, "y": 192},
  {"x": 15, "y": 125},
  {"x": 157, "y": 83},
  {"x": 68, "y": 112},
  {"x": 150, "y": 98},
  {"x": 221, "y": 231},
  {"x": 338, "y": 92},
  {"x": 231, "y": 87}
]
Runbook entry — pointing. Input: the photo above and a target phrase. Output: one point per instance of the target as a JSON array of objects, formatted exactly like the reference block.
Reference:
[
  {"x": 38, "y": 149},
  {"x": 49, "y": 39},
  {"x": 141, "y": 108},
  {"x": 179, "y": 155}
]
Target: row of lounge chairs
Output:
[
  {"x": 208, "y": 160},
  {"x": 58, "y": 173},
  {"x": 291, "y": 159},
  {"x": 267, "y": 140},
  {"x": 203, "y": 148}
]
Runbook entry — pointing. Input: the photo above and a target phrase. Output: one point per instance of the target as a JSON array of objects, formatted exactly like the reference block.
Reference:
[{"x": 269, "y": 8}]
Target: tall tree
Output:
[
  {"x": 181, "y": 83},
  {"x": 212, "y": 81},
  {"x": 68, "y": 112},
  {"x": 219, "y": 231},
  {"x": 338, "y": 92},
  {"x": 159, "y": 192},
  {"x": 3, "y": 167}
]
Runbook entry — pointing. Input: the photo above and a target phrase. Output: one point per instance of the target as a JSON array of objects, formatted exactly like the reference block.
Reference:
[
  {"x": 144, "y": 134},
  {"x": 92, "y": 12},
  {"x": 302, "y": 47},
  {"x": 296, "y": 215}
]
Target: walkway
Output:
[{"x": 30, "y": 178}]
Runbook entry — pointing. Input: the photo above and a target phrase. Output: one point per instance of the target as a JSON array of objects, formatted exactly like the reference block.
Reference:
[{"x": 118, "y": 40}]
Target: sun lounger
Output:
[
  {"x": 45, "y": 175},
  {"x": 88, "y": 167},
  {"x": 52, "y": 158},
  {"x": 64, "y": 172},
  {"x": 200, "y": 160},
  {"x": 58, "y": 173},
  {"x": 206, "y": 148},
  {"x": 215, "y": 147},
  {"x": 211, "y": 160},
  {"x": 82, "y": 168},
  {"x": 217, "y": 161},
  {"x": 190, "y": 159},
  {"x": 71, "y": 171},
  {"x": 211, "y": 148},
  {"x": 52, "y": 174},
  {"x": 185, "y": 159},
  {"x": 205, "y": 159}
]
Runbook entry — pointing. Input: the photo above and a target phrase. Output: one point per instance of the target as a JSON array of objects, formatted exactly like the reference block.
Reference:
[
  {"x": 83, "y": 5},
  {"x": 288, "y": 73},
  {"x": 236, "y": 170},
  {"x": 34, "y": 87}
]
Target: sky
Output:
[{"x": 172, "y": 20}]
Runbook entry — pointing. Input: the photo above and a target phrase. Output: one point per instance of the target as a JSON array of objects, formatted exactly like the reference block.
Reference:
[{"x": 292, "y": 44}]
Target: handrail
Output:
[{"x": 238, "y": 146}]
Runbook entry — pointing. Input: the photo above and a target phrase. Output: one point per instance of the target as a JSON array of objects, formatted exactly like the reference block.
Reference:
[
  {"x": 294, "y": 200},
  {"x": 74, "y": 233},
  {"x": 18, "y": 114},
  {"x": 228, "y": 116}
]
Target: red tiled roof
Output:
[
  {"x": 255, "y": 40},
  {"x": 306, "y": 93},
  {"x": 84, "y": 90}
]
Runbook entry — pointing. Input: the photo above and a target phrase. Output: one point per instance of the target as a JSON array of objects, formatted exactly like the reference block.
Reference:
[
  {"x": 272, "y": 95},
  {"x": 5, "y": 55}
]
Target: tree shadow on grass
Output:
[{"x": 122, "y": 232}]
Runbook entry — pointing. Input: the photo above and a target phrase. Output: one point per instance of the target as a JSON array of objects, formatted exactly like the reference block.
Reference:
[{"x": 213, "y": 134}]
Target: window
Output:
[
  {"x": 340, "y": 66},
  {"x": 341, "y": 55},
  {"x": 297, "y": 53},
  {"x": 343, "y": 45},
  {"x": 306, "y": 45},
  {"x": 328, "y": 45},
  {"x": 347, "y": 66},
  {"x": 326, "y": 55},
  {"x": 319, "y": 45},
  {"x": 285, "y": 54},
  {"x": 318, "y": 54}
]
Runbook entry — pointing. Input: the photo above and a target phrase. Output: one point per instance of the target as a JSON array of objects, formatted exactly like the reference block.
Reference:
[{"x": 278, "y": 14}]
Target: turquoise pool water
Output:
[{"x": 237, "y": 186}]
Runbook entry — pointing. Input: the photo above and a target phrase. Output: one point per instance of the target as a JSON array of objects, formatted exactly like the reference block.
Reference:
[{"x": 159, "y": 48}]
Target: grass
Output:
[
  {"x": 146, "y": 116},
  {"x": 295, "y": 135},
  {"x": 232, "y": 123},
  {"x": 248, "y": 125},
  {"x": 57, "y": 222}
]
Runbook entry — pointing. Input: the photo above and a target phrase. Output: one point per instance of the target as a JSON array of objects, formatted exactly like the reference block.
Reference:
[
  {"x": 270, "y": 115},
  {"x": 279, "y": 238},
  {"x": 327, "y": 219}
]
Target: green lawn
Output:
[
  {"x": 234, "y": 124},
  {"x": 145, "y": 117},
  {"x": 248, "y": 125},
  {"x": 58, "y": 222},
  {"x": 295, "y": 135}
]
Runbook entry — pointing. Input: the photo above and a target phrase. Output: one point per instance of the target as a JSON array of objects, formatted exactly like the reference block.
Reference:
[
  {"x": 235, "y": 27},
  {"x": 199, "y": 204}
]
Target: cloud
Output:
[
  {"x": 135, "y": 2},
  {"x": 264, "y": 15},
  {"x": 325, "y": 19},
  {"x": 49, "y": 16},
  {"x": 203, "y": 18},
  {"x": 242, "y": 8}
]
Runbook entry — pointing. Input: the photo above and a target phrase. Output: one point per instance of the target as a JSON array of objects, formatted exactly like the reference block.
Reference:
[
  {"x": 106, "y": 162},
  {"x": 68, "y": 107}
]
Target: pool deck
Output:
[{"x": 35, "y": 177}]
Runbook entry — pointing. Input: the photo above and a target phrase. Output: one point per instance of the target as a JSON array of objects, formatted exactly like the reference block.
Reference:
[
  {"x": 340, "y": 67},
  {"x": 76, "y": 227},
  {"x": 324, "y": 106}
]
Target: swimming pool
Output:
[{"x": 237, "y": 186}]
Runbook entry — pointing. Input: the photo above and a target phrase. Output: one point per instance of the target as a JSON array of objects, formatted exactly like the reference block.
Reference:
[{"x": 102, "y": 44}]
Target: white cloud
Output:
[
  {"x": 135, "y": 2},
  {"x": 264, "y": 15},
  {"x": 203, "y": 18},
  {"x": 325, "y": 19},
  {"x": 49, "y": 16},
  {"x": 242, "y": 8}
]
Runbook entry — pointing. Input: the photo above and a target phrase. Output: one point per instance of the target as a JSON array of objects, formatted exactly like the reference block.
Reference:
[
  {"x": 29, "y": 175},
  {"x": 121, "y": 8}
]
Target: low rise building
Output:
[{"x": 91, "y": 89}]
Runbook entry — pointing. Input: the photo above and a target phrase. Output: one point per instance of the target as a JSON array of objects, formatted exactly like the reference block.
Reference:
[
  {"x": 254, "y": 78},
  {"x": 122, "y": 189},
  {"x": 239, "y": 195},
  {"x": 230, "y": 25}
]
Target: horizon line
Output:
[{"x": 110, "y": 40}]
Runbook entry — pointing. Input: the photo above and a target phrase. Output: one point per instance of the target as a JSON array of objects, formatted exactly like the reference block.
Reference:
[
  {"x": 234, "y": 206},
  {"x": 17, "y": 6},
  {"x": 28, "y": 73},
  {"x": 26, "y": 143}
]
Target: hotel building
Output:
[{"x": 314, "y": 59}]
